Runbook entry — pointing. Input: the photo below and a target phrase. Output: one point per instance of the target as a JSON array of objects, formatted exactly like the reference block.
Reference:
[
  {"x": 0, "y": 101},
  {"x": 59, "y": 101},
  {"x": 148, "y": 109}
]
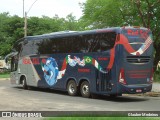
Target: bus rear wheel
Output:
[
  {"x": 72, "y": 88},
  {"x": 85, "y": 90},
  {"x": 24, "y": 83}
]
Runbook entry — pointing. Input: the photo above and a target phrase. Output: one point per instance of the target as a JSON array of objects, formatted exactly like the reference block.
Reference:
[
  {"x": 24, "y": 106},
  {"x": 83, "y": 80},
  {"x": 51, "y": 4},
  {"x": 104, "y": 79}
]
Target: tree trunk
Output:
[{"x": 157, "y": 56}]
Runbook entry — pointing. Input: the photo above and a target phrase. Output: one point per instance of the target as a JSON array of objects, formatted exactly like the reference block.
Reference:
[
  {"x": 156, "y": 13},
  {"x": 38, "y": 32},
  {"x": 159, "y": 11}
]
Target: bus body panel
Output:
[
  {"x": 119, "y": 69},
  {"x": 137, "y": 65},
  {"x": 77, "y": 72}
]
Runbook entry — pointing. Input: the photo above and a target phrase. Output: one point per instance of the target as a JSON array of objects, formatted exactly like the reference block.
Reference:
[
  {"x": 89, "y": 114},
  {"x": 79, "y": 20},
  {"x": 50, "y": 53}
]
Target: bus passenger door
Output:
[{"x": 103, "y": 81}]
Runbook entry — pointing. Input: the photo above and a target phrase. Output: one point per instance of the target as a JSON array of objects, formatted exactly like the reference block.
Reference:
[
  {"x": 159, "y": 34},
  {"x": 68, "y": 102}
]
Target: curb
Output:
[
  {"x": 4, "y": 78},
  {"x": 156, "y": 87}
]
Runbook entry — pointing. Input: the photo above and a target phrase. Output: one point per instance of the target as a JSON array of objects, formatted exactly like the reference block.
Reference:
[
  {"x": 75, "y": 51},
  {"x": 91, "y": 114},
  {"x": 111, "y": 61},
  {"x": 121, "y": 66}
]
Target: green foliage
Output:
[
  {"x": 157, "y": 76},
  {"x": 104, "y": 13},
  {"x": 96, "y": 14},
  {"x": 107, "y": 13},
  {"x": 12, "y": 28},
  {"x": 4, "y": 75}
]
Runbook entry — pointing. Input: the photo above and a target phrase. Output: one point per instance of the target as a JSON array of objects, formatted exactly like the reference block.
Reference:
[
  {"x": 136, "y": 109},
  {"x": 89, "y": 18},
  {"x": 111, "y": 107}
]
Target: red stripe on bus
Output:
[
  {"x": 64, "y": 65},
  {"x": 124, "y": 41},
  {"x": 111, "y": 61}
]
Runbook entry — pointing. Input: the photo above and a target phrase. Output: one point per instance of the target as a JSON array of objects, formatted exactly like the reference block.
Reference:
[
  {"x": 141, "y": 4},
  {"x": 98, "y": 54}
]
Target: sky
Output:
[{"x": 42, "y": 7}]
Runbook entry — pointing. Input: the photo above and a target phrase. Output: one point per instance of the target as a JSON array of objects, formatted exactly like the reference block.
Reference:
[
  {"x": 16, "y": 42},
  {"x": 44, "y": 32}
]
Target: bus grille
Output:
[
  {"x": 138, "y": 59},
  {"x": 104, "y": 81}
]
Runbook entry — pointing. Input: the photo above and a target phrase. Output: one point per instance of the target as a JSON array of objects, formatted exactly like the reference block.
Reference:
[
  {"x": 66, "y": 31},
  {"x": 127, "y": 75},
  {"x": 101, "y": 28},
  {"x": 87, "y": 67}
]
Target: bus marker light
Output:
[
  {"x": 121, "y": 77},
  {"x": 151, "y": 79}
]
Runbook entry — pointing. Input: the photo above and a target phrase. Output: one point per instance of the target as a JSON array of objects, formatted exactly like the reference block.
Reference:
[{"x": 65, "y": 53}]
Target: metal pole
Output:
[
  {"x": 25, "y": 25},
  {"x": 23, "y": 8},
  {"x": 25, "y": 20},
  {"x": 31, "y": 6}
]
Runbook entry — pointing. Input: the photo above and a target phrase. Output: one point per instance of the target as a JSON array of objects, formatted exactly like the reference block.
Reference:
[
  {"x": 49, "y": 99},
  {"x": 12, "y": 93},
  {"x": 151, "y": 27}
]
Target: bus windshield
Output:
[
  {"x": 137, "y": 40},
  {"x": 137, "y": 35}
]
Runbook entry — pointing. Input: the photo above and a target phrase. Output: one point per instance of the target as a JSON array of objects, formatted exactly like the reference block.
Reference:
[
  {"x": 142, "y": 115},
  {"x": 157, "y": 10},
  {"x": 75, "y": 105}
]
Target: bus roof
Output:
[
  {"x": 70, "y": 33},
  {"x": 76, "y": 33}
]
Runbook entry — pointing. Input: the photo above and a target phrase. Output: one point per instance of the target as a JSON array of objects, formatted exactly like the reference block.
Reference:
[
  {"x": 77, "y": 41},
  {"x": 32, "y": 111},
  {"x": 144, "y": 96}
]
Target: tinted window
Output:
[
  {"x": 17, "y": 47},
  {"x": 28, "y": 48},
  {"x": 100, "y": 42},
  {"x": 136, "y": 35},
  {"x": 74, "y": 44}
]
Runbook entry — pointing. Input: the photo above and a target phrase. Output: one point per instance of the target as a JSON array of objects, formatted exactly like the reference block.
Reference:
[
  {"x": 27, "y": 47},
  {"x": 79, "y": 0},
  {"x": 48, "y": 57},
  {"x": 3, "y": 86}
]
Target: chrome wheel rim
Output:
[
  {"x": 71, "y": 88},
  {"x": 85, "y": 89}
]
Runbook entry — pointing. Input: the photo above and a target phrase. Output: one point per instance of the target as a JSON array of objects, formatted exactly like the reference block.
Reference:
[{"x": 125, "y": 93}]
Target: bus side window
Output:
[
  {"x": 43, "y": 46},
  {"x": 82, "y": 44},
  {"x": 107, "y": 41},
  {"x": 93, "y": 43}
]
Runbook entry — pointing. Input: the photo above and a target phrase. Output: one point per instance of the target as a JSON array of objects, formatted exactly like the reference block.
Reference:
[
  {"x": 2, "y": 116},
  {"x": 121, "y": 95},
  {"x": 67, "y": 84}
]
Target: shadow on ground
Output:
[{"x": 126, "y": 98}]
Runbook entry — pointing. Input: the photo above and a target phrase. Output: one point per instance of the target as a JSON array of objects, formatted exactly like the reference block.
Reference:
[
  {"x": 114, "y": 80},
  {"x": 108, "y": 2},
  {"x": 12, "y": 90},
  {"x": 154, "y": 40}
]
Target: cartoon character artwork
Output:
[
  {"x": 52, "y": 73},
  {"x": 50, "y": 69}
]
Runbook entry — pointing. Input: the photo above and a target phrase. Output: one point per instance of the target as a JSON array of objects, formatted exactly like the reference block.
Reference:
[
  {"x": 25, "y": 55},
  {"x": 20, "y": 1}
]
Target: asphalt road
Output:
[{"x": 14, "y": 98}]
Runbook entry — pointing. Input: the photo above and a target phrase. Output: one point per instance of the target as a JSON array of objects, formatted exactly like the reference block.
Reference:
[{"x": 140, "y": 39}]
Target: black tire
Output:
[
  {"x": 24, "y": 83},
  {"x": 85, "y": 90},
  {"x": 95, "y": 96},
  {"x": 114, "y": 95},
  {"x": 72, "y": 88}
]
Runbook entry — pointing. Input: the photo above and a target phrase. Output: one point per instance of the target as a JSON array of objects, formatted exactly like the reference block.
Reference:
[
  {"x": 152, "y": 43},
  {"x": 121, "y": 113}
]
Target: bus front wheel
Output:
[
  {"x": 85, "y": 90},
  {"x": 24, "y": 83},
  {"x": 72, "y": 88}
]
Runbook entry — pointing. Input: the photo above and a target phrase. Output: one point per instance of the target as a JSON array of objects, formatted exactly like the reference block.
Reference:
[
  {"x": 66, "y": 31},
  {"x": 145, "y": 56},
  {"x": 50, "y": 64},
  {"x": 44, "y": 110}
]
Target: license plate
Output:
[{"x": 138, "y": 91}]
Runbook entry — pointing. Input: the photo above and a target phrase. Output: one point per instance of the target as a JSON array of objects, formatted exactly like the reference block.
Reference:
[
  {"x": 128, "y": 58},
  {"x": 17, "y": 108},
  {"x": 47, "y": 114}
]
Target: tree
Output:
[
  {"x": 8, "y": 27},
  {"x": 148, "y": 12},
  {"x": 107, "y": 13},
  {"x": 12, "y": 28},
  {"x": 71, "y": 22},
  {"x": 102, "y": 13},
  {"x": 15, "y": 27}
]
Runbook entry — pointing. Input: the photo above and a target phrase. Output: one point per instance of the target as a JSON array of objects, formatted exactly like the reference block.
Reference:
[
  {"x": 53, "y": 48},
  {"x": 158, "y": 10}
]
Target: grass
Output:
[
  {"x": 4, "y": 75},
  {"x": 157, "y": 76},
  {"x": 102, "y": 118}
]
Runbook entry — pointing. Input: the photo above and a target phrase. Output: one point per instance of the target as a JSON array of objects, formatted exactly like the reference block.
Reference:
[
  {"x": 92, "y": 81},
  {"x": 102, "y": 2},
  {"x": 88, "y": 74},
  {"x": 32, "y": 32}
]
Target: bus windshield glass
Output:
[
  {"x": 137, "y": 41},
  {"x": 137, "y": 35}
]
